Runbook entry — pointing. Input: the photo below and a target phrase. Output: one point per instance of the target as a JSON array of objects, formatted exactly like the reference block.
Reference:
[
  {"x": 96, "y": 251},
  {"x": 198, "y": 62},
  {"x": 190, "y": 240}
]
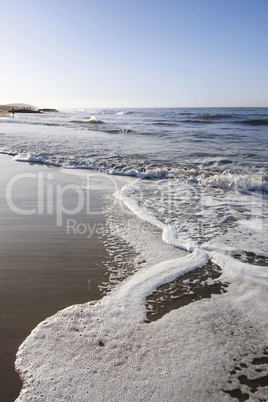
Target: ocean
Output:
[
  {"x": 189, "y": 190},
  {"x": 146, "y": 143},
  {"x": 203, "y": 172}
]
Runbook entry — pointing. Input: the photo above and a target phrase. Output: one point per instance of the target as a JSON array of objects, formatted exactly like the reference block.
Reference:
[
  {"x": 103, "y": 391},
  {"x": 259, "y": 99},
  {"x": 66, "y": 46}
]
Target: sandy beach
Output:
[
  {"x": 43, "y": 269},
  {"x": 4, "y": 112}
]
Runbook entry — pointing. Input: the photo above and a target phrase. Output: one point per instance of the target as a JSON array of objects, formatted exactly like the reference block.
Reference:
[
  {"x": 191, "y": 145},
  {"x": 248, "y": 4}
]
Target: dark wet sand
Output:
[
  {"x": 42, "y": 268},
  {"x": 187, "y": 289}
]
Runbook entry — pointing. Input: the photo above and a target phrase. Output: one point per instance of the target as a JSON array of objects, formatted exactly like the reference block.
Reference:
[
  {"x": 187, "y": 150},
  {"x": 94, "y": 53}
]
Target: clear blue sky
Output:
[{"x": 121, "y": 53}]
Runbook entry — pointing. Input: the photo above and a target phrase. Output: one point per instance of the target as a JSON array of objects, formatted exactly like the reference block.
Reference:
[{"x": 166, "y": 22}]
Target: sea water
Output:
[{"x": 199, "y": 187}]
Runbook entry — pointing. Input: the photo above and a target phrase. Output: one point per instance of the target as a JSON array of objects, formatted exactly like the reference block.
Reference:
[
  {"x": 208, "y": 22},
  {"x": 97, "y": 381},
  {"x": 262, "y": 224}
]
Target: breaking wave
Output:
[{"x": 115, "y": 165}]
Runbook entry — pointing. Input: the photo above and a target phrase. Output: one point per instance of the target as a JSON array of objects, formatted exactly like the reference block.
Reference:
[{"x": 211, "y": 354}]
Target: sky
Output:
[{"x": 139, "y": 53}]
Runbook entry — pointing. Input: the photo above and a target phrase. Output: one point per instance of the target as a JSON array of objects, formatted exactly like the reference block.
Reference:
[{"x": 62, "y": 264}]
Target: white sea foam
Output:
[
  {"x": 93, "y": 120},
  {"x": 170, "y": 235},
  {"x": 35, "y": 159},
  {"x": 237, "y": 182},
  {"x": 124, "y": 112},
  {"x": 105, "y": 350},
  {"x": 251, "y": 183}
]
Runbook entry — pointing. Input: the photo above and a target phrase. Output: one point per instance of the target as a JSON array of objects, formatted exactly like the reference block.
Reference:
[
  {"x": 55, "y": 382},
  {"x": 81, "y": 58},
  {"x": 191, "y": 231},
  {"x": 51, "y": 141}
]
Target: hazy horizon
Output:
[
  {"x": 96, "y": 54},
  {"x": 130, "y": 107}
]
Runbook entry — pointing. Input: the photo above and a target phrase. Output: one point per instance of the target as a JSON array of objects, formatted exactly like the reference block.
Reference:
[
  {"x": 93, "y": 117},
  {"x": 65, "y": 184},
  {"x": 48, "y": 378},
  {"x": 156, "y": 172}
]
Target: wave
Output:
[
  {"x": 214, "y": 116},
  {"x": 197, "y": 121},
  {"x": 206, "y": 117},
  {"x": 118, "y": 131},
  {"x": 210, "y": 119},
  {"x": 79, "y": 121},
  {"x": 236, "y": 182},
  {"x": 215, "y": 163},
  {"x": 252, "y": 183},
  {"x": 106, "y": 111},
  {"x": 36, "y": 159},
  {"x": 254, "y": 122},
  {"x": 211, "y": 173},
  {"x": 100, "y": 125},
  {"x": 122, "y": 113},
  {"x": 93, "y": 120}
]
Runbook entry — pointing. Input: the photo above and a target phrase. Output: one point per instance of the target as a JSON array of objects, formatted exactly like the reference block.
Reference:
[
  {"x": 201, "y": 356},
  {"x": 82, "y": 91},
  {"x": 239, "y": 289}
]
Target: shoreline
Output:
[
  {"x": 43, "y": 268},
  {"x": 76, "y": 317}
]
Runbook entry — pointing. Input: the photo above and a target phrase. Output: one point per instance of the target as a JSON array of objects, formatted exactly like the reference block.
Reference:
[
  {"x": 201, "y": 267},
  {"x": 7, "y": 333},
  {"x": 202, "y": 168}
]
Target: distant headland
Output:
[{"x": 23, "y": 108}]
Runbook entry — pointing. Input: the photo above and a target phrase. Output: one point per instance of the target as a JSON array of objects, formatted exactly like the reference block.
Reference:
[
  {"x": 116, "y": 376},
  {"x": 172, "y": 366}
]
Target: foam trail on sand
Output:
[
  {"x": 169, "y": 235},
  {"x": 115, "y": 316},
  {"x": 105, "y": 350},
  {"x": 77, "y": 334}
]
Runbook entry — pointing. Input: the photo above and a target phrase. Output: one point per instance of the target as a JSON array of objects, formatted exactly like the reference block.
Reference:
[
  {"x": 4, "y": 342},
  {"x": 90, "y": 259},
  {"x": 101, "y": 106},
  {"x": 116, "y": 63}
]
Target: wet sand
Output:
[
  {"x": 43, "y": 269},
  {"x": 188, "y": 288}
]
